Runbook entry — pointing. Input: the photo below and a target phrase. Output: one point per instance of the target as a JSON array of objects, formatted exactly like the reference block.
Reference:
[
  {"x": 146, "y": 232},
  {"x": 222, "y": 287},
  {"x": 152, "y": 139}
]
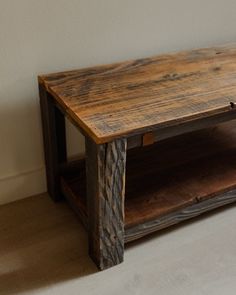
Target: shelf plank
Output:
[
  {"x": 139, "y": 96},
  {"x": 183, "y": 186},
  {"x": 180, "y": 215}
]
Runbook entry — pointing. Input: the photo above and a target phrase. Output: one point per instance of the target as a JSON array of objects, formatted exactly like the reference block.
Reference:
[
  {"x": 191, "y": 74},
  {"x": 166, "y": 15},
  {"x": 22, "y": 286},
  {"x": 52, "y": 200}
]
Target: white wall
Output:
[{"x": 54, "y": 35}]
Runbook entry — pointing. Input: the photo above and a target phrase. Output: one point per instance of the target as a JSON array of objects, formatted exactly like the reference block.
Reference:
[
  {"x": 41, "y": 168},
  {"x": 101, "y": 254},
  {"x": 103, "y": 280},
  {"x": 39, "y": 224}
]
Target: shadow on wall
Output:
[
  {"x": 22, "y": 169},
  {"x": 21, "y": 154}
]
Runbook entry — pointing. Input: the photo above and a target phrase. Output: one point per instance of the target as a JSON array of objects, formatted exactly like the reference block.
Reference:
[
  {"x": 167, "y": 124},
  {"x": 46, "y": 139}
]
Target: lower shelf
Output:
[{"x": 168, "y": 182}]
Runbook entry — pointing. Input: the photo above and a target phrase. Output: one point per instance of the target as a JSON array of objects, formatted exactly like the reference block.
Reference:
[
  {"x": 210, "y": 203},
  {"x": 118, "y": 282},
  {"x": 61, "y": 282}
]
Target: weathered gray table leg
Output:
[
  {"x": 53, "y": 123},
  {"x": 105, "y": 166}
]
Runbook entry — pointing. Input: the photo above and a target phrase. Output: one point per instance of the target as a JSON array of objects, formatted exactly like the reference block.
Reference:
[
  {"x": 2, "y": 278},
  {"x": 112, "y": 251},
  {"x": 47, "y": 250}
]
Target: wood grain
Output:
[
  {"x": 105, "y": 169},
  {"x": 136, "y": 97},
  {"x": 180, "y": 215}
]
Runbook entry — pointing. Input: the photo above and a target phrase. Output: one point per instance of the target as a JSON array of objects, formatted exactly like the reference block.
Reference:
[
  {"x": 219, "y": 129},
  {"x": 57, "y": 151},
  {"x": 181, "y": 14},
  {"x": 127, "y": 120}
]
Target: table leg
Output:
[
  {"x": 105, "y": 168},
  {"x": 53, "y": 123}
]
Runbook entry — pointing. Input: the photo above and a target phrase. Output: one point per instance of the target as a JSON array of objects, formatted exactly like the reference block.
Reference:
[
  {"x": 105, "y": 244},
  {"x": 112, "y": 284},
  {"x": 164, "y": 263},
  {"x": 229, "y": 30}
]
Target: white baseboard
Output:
[{"x": 22, "y": 185}]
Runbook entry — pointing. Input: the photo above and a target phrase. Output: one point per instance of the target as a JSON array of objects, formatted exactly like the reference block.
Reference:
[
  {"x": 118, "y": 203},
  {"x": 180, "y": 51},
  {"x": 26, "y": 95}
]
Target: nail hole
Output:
[
  {"x": 216, "y": 69},
  {"x": 232, "y": 104}
]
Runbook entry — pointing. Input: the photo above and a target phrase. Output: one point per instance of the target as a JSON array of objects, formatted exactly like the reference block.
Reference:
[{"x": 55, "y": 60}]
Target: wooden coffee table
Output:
[{"x": 162, "y": 125}]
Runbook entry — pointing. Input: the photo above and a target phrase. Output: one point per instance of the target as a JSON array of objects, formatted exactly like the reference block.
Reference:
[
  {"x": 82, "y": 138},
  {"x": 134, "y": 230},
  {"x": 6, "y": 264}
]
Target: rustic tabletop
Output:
[{"x": 123, "y": 99}]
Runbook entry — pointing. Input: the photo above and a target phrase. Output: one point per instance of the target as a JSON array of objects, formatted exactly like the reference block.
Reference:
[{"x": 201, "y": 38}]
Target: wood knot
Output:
[
  {"x": 171, "y": 76},
  {"x": 216, "y": 69}
]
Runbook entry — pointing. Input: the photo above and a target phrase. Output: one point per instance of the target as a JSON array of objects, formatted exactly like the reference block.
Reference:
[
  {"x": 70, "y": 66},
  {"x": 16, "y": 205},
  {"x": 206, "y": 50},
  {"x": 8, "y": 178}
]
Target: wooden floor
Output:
[{"x": 43, "y": 250}]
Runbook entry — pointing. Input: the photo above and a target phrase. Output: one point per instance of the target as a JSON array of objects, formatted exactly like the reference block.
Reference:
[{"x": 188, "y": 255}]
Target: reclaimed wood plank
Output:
[
  {"x": 105, "y": 169},
  {"x": 139, "y": 96},
  {"x": 183, "y": 214}
]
